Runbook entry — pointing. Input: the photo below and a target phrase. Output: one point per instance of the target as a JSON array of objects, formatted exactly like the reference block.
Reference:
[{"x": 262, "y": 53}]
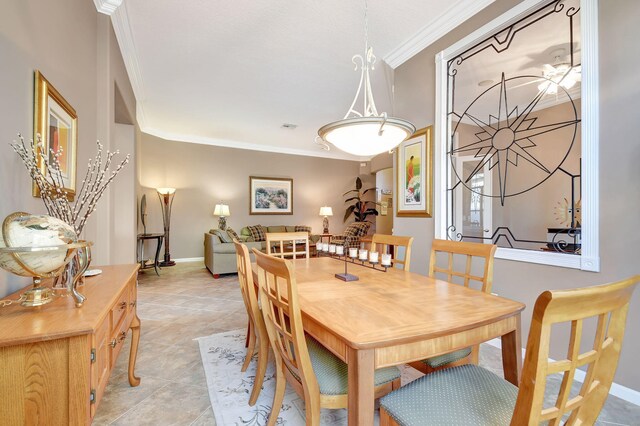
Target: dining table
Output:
[{"x": 394, "y": 317}]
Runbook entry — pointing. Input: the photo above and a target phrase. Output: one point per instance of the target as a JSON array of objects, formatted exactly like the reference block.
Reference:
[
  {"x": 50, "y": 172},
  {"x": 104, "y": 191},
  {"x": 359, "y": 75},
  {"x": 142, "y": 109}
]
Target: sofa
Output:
[{"x": 220, "y": 253}]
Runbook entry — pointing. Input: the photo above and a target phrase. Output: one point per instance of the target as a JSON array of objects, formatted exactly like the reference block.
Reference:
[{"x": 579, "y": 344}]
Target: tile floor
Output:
[{"x": 184, "y": 303}]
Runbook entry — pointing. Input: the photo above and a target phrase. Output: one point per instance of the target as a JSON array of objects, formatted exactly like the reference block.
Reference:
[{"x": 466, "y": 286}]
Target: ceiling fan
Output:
[{"x": 559, "y": 74}]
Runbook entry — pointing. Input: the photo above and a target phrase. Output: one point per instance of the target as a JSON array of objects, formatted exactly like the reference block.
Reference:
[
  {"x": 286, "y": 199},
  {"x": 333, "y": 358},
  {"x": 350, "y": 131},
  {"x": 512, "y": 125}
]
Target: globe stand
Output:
[{"x": 18, "y": 263}]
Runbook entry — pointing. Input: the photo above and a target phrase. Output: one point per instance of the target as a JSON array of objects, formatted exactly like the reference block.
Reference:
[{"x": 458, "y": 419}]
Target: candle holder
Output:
[{"x": 375, "y": 265}]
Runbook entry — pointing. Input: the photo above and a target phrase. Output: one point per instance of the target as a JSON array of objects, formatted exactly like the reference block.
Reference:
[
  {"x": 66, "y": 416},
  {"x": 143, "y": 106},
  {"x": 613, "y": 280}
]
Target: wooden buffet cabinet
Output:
[{"x": 56, "y": 360}]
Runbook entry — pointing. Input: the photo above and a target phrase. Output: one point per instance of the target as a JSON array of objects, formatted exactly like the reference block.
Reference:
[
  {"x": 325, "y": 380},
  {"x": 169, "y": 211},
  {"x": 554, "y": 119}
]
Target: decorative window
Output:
[{"x": 517, "y": 135}]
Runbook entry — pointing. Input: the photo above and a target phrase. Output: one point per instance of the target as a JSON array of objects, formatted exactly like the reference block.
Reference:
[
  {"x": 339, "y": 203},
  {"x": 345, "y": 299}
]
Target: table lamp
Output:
[
  {"x": 326, "y": 212},
  {"x": 166, "y": 200},
  {"x": 222, "y": 210}
]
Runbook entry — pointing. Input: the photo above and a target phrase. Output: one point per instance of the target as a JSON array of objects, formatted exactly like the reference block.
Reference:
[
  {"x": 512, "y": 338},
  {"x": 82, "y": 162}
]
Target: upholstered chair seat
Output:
[
  {"x": 445, "y": 359},
  {"x": 485, "y": 399},
  {"x": 332, "y": 373}
]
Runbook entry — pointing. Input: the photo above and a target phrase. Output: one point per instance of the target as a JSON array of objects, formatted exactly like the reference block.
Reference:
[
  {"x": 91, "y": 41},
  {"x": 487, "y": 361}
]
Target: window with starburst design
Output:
[{"x": 512, "y": 107}]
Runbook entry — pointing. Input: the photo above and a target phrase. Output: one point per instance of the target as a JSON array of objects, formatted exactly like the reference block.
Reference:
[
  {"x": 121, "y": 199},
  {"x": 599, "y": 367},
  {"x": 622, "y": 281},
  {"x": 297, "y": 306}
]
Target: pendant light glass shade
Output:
[
  {"x": 367, "y": 133},
  {"x": 363, "y": 135}
]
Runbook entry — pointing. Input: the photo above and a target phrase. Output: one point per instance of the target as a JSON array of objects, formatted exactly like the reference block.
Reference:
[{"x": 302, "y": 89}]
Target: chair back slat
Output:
[
  {"x": 281, "y": 312},
  {"x": 387, "y": 243},
  {"x": 609, "y": 304},
  {"x": 470, "y": 251},
  {"x": 288, "y": 244},
  {"x": 247, "y": 287}
]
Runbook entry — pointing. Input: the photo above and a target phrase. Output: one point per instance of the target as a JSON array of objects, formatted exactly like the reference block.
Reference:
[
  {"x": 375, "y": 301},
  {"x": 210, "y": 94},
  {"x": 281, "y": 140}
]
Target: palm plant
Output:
[{"x": 360, "y": 208}]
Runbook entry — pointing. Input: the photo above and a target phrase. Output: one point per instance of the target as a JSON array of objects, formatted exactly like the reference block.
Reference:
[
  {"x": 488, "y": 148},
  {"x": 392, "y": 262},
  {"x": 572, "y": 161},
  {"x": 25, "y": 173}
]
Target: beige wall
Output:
[
  {"x": 619, "y": 172},
  {"x": 206, "y": 175},
  {"x": 81, "y": 59}
]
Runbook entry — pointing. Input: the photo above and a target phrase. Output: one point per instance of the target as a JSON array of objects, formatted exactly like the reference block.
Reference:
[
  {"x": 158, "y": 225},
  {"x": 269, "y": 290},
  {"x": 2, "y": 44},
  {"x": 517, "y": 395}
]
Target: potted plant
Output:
[{"x": 360, "y": 208}]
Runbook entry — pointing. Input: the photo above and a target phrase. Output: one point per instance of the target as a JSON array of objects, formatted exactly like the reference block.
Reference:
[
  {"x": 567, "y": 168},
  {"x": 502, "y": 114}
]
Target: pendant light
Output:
[{"x": 367, "y": 133}]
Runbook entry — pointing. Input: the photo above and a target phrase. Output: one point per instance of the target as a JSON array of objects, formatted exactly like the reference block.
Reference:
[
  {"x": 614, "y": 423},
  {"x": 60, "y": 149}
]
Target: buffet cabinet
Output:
[{"x": 56, "y": 359}]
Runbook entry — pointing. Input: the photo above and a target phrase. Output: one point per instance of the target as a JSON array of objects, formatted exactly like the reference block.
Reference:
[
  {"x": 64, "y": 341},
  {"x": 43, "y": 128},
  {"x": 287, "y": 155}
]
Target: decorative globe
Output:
[{"x": 23, "y": 230}]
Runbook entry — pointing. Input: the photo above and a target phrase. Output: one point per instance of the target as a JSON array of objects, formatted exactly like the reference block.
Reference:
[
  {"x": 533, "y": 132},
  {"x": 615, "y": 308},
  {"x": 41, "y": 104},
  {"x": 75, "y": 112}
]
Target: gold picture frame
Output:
[
  {"x": 414, "y": 175},
  {"x": 56, "y": 121},
  {"x": 269, "y": 195}
]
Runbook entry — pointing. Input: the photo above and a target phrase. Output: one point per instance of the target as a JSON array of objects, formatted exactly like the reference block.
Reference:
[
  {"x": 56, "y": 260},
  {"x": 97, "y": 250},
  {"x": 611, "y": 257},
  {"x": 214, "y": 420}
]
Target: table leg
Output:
[
  {"x": 140, "y": 252},
  {"x": 133, "y": 354},
  {"x": 156, "y": 259},
  {"x": 512, "y": 354},
  {"x": 361, "y": 386}
]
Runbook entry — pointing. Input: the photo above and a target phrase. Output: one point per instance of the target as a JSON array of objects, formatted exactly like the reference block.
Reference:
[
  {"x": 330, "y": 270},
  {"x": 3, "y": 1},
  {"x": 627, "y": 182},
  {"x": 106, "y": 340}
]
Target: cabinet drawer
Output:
[
  {"x": 120, "y": 309},
  {"x": 117, "y": 339}
]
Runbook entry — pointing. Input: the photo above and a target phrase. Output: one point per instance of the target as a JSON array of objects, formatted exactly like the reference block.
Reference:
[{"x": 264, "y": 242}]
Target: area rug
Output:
[{"x": 229, "y": 388}]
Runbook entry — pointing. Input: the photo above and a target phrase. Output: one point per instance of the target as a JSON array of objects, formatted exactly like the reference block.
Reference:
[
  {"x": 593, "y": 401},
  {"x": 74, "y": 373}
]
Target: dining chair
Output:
[
  {"x": 288, "y": 244},
  {"x": 395, "y": 244},
  {"x": 316, "y": 374},
  {"x": 483, "y": 398},
  {"x": 256, "y": 330},
  {"x": 467, "y": 255}
]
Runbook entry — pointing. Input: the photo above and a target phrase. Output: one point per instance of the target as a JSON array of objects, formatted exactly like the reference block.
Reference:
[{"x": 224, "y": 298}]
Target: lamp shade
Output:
[
  {"x": 166, "y": 191},
  {"x": 221, "y": 210},
  {"x": 326, "y": 211}
]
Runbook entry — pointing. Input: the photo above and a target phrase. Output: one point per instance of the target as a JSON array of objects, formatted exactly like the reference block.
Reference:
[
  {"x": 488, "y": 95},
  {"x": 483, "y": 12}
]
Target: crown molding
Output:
[
  {"x": 124, "y": 35},
  {"x": 228, "y": 143},
  {"x": 435, "y": 29},
  {"x": 107, "y": 6}
]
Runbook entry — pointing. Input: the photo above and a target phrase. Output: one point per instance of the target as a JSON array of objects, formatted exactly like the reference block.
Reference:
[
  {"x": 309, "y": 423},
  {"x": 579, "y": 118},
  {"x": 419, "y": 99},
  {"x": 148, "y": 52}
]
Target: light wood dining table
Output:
[{"x": 395, "y": 317}]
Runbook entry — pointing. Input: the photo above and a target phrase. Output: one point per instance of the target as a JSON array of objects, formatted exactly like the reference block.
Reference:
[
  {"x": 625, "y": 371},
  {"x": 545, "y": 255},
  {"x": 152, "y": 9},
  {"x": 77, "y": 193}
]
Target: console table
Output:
[
  {"x": 156, "y": 261},
  {"x": 56, "y": 359}
]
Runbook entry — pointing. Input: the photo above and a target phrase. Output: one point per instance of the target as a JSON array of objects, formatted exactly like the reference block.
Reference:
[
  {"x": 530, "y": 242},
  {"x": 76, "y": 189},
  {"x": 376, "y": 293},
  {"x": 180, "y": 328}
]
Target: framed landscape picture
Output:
[
  {"x": 56, "y": 122},
  {"x": 270, "y": 195},
  {"x": 414, "y": 175}
]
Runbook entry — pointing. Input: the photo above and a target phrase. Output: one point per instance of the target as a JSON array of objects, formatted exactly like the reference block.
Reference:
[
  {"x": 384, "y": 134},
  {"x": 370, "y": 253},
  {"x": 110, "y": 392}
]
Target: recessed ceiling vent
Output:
[{"x": 289, "y": 126}]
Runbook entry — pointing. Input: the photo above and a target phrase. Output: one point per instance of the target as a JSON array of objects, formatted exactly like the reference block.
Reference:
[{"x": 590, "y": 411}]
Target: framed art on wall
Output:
[
  {"x": 270, "y": 195},
  {"x": 414, "y": 175},
  {"x": 56, "y": 122}
]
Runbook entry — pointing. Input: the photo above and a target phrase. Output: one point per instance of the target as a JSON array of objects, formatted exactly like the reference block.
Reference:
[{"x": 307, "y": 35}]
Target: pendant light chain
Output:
[{"x": 365, "y": 133}]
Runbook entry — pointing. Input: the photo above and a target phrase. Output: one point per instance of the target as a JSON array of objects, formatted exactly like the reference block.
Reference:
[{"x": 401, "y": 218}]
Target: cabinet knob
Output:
[
  {"x": 113, "y": 342},
  {"x": 123, "y": 305},
  {"x": 123, "y": 335}
]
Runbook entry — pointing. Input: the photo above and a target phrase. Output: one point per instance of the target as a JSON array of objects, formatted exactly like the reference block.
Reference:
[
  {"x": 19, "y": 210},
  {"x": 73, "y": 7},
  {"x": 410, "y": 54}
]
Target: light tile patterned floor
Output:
[{"x": 185, "y": 302}]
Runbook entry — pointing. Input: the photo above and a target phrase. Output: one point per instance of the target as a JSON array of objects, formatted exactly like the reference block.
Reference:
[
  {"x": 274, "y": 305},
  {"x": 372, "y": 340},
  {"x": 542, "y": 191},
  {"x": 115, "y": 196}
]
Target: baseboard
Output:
[
  {"x": 622, "y": 392},
  {"x": 189, "y": 259}
]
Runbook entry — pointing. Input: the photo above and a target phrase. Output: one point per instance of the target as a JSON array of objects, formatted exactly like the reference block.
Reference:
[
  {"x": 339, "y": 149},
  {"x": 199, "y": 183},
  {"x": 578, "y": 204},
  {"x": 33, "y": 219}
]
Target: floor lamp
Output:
[{"x": 166, "y": 200}]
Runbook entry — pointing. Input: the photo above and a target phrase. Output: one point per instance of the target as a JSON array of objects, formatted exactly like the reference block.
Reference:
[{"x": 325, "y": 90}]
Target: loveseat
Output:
[{"x": 220, "y": 253}]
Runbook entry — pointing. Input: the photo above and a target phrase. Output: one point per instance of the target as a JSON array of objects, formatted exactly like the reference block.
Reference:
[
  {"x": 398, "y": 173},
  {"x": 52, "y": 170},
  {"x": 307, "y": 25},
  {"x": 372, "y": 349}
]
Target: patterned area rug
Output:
[{"x": 229, "y": 388}]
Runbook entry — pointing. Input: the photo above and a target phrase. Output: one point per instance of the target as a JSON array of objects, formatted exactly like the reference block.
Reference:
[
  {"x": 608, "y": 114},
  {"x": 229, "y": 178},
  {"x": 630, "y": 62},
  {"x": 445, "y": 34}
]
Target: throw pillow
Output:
[
  {"x": 232, "y": 234},
  {"x": 258, "y": 232},
  {"x": 224, "y": 237},
  {"x": 300, "y": 228}
]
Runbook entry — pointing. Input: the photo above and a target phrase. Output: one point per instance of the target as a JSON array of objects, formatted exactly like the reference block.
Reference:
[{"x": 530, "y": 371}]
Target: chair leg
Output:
[
  {"x": 278, "y": 397},
  {"x": 246, "y": 342},
  {"x": 474, "y": 356},
  {"x": 251, "y": 347},
  {"x": 263, "y": 360}
]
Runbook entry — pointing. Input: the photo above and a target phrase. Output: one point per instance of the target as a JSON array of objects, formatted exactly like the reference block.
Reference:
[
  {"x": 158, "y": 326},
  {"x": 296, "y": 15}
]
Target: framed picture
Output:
[
  {"x": 270, "y": 195},
  {"x": 56, "y": 122},
  {"x": 415, "y": 175}
]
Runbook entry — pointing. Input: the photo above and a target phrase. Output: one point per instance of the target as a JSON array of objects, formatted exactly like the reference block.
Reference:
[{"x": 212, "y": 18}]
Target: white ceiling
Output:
[{"x": 232, "y": 72}]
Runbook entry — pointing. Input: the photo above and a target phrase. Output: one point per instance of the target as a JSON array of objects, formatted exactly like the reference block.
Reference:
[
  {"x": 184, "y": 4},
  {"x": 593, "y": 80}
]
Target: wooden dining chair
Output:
[
  {"x": 483, "y": 398},
  {"x": 256, "y": 330},
  {"x": 316, "y": 374},
  {"x": 467, "y": 253},
  {"x": 395, "y": 245},
  {"x": 288, "y": 244}
]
